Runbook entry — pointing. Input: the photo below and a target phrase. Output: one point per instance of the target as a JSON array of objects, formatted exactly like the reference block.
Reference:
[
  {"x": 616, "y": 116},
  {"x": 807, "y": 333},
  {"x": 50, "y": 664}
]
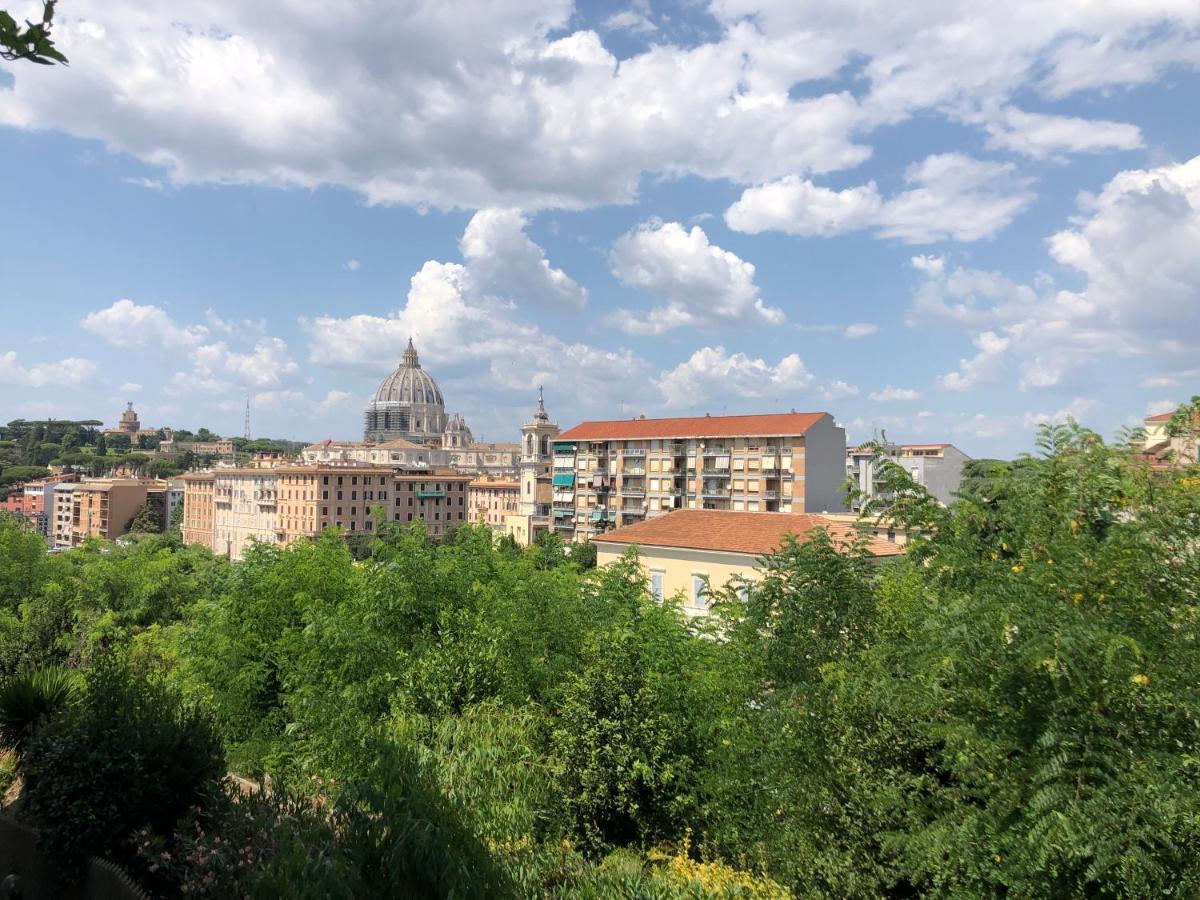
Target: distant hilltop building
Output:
[{"x": 130, "y": 426}]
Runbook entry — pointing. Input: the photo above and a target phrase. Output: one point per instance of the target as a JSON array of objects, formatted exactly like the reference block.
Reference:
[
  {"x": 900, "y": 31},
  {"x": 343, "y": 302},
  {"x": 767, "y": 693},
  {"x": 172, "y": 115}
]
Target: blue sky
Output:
[{"x": 952, "y": 223}]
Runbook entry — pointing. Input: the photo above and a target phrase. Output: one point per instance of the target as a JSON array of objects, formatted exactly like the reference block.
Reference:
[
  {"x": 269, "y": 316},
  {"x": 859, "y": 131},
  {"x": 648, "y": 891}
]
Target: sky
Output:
[{"x": 949, "y": 221}]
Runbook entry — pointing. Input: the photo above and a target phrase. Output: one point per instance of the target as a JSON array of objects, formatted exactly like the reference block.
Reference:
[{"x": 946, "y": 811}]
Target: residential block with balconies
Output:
[{"x": 616, "y": 473}]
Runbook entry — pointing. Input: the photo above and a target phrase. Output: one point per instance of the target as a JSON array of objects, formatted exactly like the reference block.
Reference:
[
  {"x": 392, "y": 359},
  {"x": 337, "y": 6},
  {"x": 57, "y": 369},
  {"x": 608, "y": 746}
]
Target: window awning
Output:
[{"x": 565, "y": 478}]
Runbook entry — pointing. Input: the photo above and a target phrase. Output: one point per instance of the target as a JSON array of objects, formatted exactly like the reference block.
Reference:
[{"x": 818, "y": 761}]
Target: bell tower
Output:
[{"x": 537, "y": 457}]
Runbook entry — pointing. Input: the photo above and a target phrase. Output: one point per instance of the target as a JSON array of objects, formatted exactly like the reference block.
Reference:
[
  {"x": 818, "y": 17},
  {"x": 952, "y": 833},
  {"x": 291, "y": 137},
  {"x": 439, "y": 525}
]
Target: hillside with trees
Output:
[{"x": 1010, "y": 709}]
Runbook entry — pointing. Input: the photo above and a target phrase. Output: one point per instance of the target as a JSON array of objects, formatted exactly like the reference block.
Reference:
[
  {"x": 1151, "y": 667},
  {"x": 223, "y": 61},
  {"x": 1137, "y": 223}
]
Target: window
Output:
[
  {"x": 656, "y": 583},
  {"x": 699, "y": 590},
  {"x": 339, "y": 495}
]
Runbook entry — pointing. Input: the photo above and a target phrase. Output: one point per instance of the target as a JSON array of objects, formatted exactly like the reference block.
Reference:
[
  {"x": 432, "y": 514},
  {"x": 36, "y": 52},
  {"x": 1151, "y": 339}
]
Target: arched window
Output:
[
  {"x": 529, "y": 445},
  {"x": 545, "y": 445}
]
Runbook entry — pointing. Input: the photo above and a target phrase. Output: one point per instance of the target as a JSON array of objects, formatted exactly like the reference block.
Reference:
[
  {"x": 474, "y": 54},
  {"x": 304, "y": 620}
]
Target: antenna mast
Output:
[{"x": 247, "y": 435}]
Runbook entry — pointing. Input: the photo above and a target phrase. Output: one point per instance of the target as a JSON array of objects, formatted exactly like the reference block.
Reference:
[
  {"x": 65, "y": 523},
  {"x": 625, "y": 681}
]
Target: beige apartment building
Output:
[
  {"x": 197, "y": 526},
  {"x": 617, "y": 473},
  {"x": 244, "y": 510},
  {"x": 60, "y": 522},
  {"x": 104, "y": 508},
  {"x": 691, "y": 552},
  {"x": 492, "y": 500}
]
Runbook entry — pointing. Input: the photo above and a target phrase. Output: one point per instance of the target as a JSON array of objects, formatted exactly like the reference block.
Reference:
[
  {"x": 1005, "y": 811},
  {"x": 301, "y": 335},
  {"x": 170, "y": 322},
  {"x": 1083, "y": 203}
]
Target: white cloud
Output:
[
  {"x": 838, "y": 390},
  {"x": 333, "y": 401},
  {"x": 697, "y": 283},
  {"x": 797, "y": 206},
  {"x": 982, "y": 367},
  {"x": 236, "y": 327},
  {"x": 267, "y": 365},
  {"x": 129, "y": 325},
  {"x": 353, "y": 265},
  {"x": 635, "y": 19},
  {"x": 1073, "y": 410},
  {"x": 1132, "y": 248},
  {"x": 70, "y": 372},
  {"x": 501, "y": 104},
  {"x": 711, "y": 374},
  {"x": 503, "y": 261},
  {"x": 279, "y": 401},
  {"x": 1158, "y": 407},
  {"x": 1038, "y": 135},
  {"x": 951, "y": 197},
  {"x": 130, "y": 387},
  {"x": 895, "y": 395},
  {"x": 861, "y": 330}
]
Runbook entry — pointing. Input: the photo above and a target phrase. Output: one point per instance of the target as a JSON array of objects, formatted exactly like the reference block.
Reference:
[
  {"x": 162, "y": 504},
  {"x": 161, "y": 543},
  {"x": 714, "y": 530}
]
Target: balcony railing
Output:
[
  {"x": 564, "y": 462},
  {"x": 633, "y": 451},
  {"x": 770, "y": 495},
  {"x": 425, "y": 494},
  {"x": 714, "y": 493},
  {"x": 633, "y": 492},
  {"x": 709, "y": 472},
  {"x": 634, "y": 470}
]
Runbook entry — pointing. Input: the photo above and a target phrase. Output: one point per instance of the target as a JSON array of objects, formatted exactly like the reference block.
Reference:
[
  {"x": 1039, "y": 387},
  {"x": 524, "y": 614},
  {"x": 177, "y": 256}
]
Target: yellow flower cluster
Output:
[{"x": 715, "y": 879}]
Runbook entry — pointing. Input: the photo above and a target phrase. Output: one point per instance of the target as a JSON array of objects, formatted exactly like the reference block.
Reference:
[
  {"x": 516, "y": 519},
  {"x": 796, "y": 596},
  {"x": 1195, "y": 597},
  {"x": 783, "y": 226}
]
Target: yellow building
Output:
[
  {"x": 244, "y": 510},
  {"x": 1164, "y": 450},
  {"x": 690, "y": 551},
  {"x": 491, "y": 501},
  {"x": 620, "y": 472},
  {"x": 197, "y": 525}
]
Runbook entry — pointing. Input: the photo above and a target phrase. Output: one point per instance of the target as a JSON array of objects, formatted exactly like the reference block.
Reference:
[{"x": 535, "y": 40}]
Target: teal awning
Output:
[
  {"x": 563, "y": 513},
  {"x": 566, "y": 479},
  {"x": 564, "y": 448},
  {"x": 597, "y": 516}
]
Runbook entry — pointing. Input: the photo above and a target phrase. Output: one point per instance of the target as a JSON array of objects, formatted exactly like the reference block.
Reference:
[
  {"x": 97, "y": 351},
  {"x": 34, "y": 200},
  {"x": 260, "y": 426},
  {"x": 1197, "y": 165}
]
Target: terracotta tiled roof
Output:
[
  {"x": 1161, "y": 417},
  {"x": 734, "y": 532},
  {"x": 772, "y": 424}
]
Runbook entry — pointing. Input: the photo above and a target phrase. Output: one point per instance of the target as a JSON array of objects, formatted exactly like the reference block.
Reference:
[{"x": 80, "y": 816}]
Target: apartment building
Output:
[
  {"x": 104, "y": 508},
  {"x": 936, "y": 467},
  {"x": 244, "y": 510},
  {"x": 1163, "y": 450},
  {"x": 315, "y": 497},
  {"x": 60, "y": 523},
  {"x": 491, "y": 501},
  {"x": 616, "y": 473},
  {"x": 198, "y": 508},
  {"x": 692, "y": 552}
]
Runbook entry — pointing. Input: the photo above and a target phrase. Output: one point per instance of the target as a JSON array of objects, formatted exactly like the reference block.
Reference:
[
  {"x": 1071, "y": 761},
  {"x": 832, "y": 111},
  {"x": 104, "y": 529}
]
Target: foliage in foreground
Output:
[{"x": 1011, "y": 709}]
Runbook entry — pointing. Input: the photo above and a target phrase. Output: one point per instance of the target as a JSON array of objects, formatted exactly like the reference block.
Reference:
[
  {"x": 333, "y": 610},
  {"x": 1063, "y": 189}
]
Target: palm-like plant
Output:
[{"x": 29, "y": 699}]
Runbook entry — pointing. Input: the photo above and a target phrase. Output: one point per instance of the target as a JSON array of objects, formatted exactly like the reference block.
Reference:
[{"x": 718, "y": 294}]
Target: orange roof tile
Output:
[
  {"x": 1161, "y": 417},
  {"x": 735, "y": 532},
  {"x": 771, "y": 424}
]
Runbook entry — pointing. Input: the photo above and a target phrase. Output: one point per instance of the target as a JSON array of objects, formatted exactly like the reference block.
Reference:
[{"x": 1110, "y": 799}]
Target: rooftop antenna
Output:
[{"x": 247, "y": 435}]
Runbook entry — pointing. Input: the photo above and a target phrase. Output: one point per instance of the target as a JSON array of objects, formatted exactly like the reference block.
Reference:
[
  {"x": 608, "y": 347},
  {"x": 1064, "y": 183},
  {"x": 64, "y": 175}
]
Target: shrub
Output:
[
  {"x": 28, "y": 699},
  {"x": 131, "y": 754}
]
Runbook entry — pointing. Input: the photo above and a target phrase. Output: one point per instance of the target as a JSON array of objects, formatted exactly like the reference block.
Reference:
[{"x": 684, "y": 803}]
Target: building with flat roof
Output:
[
  {"x": 690, "y": 552},
  {"x": 105, "y": 507},
  {"x": 936, "y": 467},
  {"x": 616, "y": 473},
  {"x": 491, "y": 500},
  {"x": 245, "y": 509},
  {"x": 198, "y": 508}
]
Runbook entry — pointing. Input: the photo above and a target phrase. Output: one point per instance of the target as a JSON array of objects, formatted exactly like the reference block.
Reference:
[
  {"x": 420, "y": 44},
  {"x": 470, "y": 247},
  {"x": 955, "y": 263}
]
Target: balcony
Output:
[
  {"x": 770, "y": 495},
  {"x": 633, "y": 451},
  {"x": 634, "y": 470},
  {"x": 430, "y": 493},
  {"x": 709, "y": 472},
  {"x": 713, "y": 492},
  {"x": 632, "y": 492},
  {"x": 564, "y": 462}
]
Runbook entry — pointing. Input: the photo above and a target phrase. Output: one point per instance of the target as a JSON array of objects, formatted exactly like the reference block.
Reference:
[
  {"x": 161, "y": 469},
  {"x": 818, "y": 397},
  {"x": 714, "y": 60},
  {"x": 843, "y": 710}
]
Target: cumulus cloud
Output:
[
  {"x": 353, "y": 265},
  {"x": 711, "y": 373},
  {"x": 502, "y": 260},
  {"x": 1073, "y": 410},
  {"x": 1158, "y": 407},
  {"x": 505, "y": 105},
  {"x": 950, "y": 197},
  {"x": 70, "y": 372},
  {"x": 895, "y": 395},
  {"x": 1133, "y": 250},
  {"x": 697, "y": 283},
  {"x": 130, "y": 387},
  {"x": 982, "y": 367},
  {"x": 333, "y": 401},
  {"x": 132, "y": 325}
]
